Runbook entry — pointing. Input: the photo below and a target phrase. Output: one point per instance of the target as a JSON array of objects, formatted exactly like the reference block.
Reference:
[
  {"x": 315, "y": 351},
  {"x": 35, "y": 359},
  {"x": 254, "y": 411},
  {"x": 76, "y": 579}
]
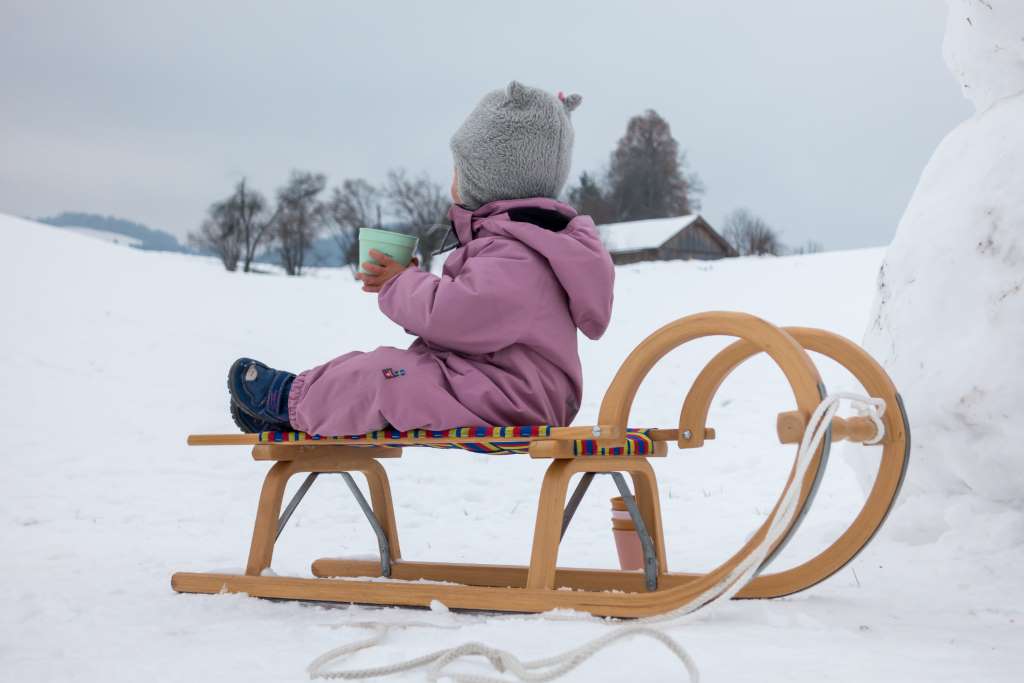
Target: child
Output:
[{"x": 497, "y": 331}]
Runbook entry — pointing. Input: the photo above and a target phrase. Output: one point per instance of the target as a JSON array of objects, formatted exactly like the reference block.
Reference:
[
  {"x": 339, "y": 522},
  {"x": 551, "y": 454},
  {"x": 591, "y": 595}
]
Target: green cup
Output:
[{"x": 397, "y": 245}]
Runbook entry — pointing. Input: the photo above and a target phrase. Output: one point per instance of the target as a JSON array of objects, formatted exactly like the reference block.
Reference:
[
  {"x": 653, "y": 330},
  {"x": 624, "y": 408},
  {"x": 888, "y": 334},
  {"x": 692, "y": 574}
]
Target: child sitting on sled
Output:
[{"x": 497, "y": 330}]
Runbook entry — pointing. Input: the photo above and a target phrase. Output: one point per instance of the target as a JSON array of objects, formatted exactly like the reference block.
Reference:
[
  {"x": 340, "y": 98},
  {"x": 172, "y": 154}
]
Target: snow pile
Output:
[
  {"x": 948, "y": 321},
  {"x": 984, "y": 48}
]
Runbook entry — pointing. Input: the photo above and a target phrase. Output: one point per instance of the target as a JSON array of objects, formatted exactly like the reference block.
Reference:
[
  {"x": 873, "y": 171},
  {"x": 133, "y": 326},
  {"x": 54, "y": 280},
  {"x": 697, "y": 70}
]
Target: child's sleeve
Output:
[{"x": 482, "y": 310}]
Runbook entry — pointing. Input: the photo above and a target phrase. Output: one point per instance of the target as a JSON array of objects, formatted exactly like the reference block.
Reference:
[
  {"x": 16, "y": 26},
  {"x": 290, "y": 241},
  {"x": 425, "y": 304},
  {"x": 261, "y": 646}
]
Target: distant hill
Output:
[
  {"x": 140, "y": 236},
  {"x": 324, "y": 251}
]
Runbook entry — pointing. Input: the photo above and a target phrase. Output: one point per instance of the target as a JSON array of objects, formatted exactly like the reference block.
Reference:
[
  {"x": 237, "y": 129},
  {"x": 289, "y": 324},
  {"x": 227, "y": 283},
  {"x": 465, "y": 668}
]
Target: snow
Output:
[
  {"x": 111, "y": 356},
  {"x": 107, "y": 236},
  {"x": 646, "y": 234},
  {"x": 949, "y": 316},
  {"x": 984, "y": 49}
]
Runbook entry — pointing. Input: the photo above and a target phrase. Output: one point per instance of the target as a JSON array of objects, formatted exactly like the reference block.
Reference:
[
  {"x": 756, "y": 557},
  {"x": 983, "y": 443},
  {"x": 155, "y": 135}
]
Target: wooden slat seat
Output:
[{"x": 491, "y": 440}]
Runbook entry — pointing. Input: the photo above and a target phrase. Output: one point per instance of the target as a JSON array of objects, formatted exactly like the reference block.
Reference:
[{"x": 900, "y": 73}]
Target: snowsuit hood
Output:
[{"x": 568, "y": 242}]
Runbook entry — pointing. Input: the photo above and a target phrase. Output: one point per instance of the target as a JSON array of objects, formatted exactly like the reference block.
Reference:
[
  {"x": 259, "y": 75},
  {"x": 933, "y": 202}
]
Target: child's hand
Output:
[{"x": 375, "y": 276}]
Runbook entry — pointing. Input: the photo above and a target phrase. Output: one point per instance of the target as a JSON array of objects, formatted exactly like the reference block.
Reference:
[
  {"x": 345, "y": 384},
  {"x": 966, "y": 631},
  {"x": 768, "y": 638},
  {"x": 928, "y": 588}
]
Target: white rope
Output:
[
  {"x": 501, "y": 660},
  {"x": 550, "y": 668},
  {"x": 873, "y": 409}
]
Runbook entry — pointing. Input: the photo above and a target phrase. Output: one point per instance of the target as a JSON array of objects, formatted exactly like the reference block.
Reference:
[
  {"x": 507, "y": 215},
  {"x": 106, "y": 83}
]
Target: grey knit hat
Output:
[{"x": 517, "y": 143}]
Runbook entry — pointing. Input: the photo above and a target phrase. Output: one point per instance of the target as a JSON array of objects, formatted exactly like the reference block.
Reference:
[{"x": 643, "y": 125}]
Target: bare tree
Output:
[
  {"x": 219, "y": 233},
  {"x": 750, "y": 235},
  {"x": 646, "y": 177},
  {"x": 235, "y": 228},
  {"x": 421, "y": 205},
  {"x": 300, "y": 216},
  {"x": 809, "y": 247},
  {"x": 352, "y": 206},
  {"x": 254, "y": 221}
]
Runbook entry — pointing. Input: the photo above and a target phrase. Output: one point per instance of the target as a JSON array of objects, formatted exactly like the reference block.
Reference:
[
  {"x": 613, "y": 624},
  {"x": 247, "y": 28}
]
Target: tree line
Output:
[
  {"x": 751, "y": 235},
  {"x": 244, "y": 225},
  {"x": 647, "y": 177}
]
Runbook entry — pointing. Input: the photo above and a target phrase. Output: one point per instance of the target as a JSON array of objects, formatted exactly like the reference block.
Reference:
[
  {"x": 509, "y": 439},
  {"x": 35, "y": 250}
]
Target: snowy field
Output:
[{"x": 110, "y": 356}]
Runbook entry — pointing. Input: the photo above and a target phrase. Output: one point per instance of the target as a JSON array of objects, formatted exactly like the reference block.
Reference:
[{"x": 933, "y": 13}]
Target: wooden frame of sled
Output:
[{"x": 542, "y": 585}]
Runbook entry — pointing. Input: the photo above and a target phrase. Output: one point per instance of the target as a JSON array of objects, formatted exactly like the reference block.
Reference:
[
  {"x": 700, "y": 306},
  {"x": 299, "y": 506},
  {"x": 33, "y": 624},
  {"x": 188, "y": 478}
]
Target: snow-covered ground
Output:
[
  {"x": 108, "y": 236},
  {"x": 110, "y": 356}
]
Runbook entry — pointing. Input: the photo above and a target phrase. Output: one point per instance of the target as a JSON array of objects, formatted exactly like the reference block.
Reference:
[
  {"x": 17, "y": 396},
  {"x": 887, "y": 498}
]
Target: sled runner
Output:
[{"x": 610, "y": 447}]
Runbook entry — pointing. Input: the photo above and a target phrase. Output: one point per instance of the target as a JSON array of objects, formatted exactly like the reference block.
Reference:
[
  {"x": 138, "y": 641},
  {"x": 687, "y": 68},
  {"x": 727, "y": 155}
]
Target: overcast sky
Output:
[{"x": 817, "y": 115}]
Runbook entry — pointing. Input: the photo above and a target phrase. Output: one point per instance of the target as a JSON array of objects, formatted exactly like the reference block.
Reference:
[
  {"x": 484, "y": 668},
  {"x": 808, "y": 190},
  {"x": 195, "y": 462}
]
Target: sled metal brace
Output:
[
  {"x": 378, "y": 530},
  {"x": 575, "y": 499},
  {"x": 650, "y": 558}
]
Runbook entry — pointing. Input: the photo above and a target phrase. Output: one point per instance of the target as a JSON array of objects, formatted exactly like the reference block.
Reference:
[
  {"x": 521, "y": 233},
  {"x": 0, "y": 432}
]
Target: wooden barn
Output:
[{"x": 663, "y": 239}]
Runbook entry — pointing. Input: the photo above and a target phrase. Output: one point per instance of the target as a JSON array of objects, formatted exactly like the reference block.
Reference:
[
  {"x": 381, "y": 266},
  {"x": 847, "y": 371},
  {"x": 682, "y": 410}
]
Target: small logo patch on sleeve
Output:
[{"x": 391, "y": 373}]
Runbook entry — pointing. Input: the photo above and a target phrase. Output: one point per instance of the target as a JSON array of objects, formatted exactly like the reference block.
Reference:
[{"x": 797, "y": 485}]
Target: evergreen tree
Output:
[
  {"x": 646, "y": 178},
  {"x": 590, "y": 198}
]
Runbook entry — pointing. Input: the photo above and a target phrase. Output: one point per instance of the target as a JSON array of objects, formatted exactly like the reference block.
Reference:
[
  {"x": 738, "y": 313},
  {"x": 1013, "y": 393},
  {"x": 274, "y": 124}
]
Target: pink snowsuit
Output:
[{"x": 497, "y": 331}]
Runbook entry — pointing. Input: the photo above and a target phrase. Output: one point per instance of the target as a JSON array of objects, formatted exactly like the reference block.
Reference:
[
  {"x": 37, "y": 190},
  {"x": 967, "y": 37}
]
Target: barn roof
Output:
[{"x": 646, "y": 234}]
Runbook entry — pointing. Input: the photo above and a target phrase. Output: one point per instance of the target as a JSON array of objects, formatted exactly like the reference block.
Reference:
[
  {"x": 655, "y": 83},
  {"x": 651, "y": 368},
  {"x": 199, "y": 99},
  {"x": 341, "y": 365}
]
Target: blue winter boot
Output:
[
  {"x": 251, "y": 425},
  {"x": 260, "y": 391}
]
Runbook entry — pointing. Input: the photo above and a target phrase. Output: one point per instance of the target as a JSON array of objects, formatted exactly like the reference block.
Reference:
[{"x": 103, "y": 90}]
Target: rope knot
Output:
[{"x": 873, "y": 409}]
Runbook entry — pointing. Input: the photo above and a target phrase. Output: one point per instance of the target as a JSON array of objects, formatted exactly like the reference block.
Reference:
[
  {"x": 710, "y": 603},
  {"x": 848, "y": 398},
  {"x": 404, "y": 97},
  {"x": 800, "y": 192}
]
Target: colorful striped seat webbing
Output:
[
  {"x": 638, "y": 442},
  {"x": 505, "y": 439}
]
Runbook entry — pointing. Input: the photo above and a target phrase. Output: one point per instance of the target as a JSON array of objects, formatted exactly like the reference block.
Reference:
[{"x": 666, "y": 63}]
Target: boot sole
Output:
[
  {"x": 238, "y": 416},
  {"x": 235, "y": 401}
]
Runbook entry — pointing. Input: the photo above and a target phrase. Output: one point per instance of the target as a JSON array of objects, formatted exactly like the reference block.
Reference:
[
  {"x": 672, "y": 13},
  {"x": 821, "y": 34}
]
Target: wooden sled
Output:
[{"x": 608, "y": 447}]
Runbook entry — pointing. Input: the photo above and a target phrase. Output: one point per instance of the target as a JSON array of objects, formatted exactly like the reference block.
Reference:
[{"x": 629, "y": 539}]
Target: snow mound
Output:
[
  {"x": 984, "y": 48},
  {"x": 948, "y": 320}
]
